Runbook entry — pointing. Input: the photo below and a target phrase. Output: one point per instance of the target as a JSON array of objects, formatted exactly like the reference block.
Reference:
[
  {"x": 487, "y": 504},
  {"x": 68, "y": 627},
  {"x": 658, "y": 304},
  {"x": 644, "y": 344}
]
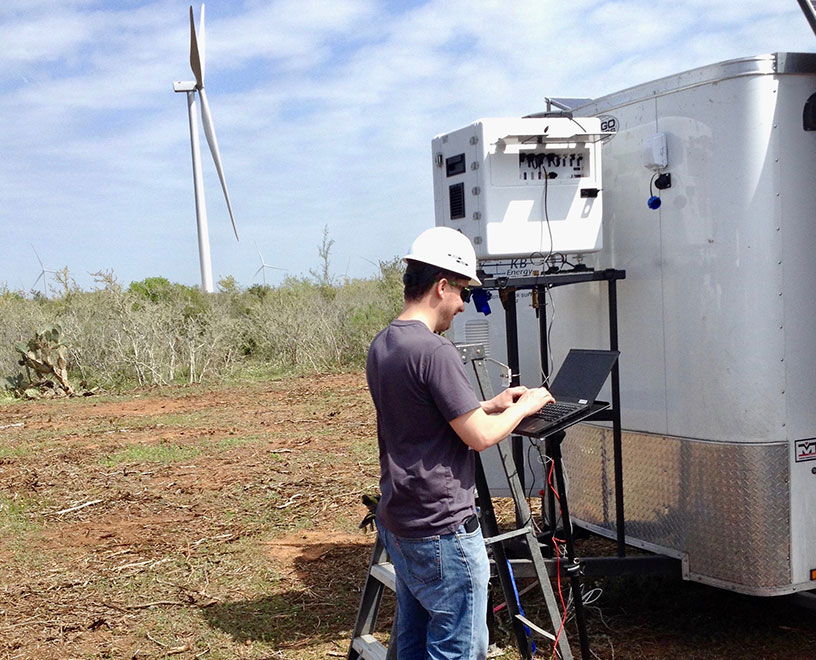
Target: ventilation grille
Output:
[
  {"x": 477, "y": 331},
  {"x": 457, "y": 201}
]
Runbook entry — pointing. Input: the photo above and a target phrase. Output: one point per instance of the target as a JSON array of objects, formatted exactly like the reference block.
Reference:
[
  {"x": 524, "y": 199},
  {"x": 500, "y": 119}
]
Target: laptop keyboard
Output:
[{"x": 555, "y": 411}]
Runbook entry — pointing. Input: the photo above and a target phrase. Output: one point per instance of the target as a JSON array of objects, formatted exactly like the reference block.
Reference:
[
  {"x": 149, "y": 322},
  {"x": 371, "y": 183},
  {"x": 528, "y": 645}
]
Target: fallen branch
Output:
[
  {"x": 152, "y": 562},
  {"x": 171, "y": 650},
  {"x": 27, "y": 622},
  {"x": 290, "y": 502},
  {"x": 78, "y": 507},
  {"x": 155, "y": 603},
  {"x": 221, "y": 538},
  {"x": 9, "y": 426}
]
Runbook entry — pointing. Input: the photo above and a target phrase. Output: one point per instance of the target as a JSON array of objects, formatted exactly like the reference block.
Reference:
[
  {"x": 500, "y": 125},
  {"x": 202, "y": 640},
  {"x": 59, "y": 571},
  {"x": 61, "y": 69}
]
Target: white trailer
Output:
[{"x": 716, "y": 324}]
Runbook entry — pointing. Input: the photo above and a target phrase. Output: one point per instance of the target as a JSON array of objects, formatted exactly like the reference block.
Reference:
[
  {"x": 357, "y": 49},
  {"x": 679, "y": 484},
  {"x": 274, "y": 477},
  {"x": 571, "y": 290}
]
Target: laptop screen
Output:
[{"x": 583, "y": 373}]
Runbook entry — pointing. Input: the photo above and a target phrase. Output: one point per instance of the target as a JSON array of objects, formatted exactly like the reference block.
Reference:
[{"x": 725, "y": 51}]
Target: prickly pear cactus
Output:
[{"x": 47, "y": 357}]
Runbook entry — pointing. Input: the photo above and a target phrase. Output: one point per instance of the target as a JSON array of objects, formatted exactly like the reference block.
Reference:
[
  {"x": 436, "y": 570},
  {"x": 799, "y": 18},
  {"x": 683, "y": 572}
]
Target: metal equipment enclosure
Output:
[{"x": 718, "y": 358}]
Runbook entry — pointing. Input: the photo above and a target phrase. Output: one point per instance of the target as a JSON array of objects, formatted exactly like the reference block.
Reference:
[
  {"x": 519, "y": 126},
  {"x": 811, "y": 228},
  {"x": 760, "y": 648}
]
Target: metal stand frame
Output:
[
  {"x": 522, "y": 626},
  {"x": 507, "y": 287}
]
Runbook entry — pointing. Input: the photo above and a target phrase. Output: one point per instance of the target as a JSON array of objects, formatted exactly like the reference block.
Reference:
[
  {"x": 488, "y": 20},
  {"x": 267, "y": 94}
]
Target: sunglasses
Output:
[{"x": 465, "y": 292}]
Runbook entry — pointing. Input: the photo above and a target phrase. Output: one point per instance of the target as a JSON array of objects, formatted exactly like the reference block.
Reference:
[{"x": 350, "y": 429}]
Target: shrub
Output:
[{"x": 157, "y": 332}]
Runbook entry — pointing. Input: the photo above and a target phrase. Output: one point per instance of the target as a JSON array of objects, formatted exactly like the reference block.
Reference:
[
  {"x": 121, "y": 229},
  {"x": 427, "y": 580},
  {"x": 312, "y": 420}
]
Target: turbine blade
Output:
[
  {"x": 195, "y": 60},
  {"x": 38, "y": 256},
  {"x": 39, "y": 277},
  {"x": 255, "y": 275},
  {"x": 209, "y": 131},
  {"x": 202, "y": 50}
]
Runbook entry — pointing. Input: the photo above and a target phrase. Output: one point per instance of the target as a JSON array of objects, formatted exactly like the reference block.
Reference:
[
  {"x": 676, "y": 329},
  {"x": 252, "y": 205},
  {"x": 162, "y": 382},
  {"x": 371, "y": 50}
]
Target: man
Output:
[{"x": 429, "y": 421}]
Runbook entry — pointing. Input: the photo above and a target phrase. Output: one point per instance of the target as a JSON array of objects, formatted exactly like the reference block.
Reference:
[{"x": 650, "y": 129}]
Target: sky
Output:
[{"x": 324, "y": 113}]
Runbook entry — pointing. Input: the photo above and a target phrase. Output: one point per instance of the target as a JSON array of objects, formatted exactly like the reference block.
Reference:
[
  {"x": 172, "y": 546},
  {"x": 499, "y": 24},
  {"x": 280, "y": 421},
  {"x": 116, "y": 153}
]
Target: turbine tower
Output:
[{"x": 191, "y": 87}]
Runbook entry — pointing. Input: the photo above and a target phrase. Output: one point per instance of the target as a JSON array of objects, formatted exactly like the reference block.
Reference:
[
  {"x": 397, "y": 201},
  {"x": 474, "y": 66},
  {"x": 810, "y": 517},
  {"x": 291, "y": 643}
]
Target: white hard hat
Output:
[{"x": 448, "y": 249}]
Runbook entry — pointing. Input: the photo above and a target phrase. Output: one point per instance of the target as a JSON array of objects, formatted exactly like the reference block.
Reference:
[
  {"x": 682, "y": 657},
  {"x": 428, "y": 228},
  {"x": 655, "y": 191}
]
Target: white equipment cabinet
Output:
[
  {"x": 716, "y": 324},
  {"x": 520, "y": 186}
]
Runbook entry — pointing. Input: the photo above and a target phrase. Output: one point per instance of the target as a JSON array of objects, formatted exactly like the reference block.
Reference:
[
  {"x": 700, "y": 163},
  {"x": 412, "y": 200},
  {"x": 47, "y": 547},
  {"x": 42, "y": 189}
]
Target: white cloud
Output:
[{"x": 324, "y": 113}]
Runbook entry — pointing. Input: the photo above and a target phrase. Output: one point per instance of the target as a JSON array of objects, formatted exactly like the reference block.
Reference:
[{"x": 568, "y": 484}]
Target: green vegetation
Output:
[
  {"x": 16, "y": 514},
  {"x": 161, "y": 453},
  {"x": 156, "y": 332}
]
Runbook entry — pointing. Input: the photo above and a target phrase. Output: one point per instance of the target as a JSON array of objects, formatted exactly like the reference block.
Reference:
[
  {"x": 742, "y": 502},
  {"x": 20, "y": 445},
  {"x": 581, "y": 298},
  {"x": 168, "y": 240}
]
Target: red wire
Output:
[{"x": 550, "y": 483}]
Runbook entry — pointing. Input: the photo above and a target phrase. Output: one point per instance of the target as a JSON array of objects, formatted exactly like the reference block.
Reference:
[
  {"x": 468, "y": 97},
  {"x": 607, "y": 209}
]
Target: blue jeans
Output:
[{"x": 442, "y": 595}]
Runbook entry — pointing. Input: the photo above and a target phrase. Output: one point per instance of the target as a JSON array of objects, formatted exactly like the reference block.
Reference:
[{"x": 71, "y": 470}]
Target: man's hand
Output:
[
  {"x": 504, "y": 400},
  {"x": 535, "y": 399},
  {"x": 485, "y": 426}
]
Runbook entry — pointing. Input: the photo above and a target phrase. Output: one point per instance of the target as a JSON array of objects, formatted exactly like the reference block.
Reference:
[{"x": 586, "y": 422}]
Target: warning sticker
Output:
[{"x": 806, "y": 450}]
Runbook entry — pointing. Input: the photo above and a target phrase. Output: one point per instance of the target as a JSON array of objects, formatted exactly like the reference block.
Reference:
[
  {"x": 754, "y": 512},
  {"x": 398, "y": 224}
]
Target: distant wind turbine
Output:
[
  {"x": 191, "y": 87},
  {"x": 264, "y": 266},
  {"x": 42, "y": 275}
]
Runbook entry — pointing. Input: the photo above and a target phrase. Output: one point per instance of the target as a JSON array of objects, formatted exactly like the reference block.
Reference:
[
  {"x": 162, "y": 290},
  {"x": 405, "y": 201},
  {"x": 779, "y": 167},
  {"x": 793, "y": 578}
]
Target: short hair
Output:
[{"x": 419, "y": 277}]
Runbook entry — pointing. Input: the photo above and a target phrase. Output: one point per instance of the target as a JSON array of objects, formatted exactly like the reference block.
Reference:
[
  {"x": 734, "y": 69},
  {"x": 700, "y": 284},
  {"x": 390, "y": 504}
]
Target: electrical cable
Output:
[
  {"x": 549, "y": 331},
  {"x": 555, "y": 542},
  {"x": 520, "y": 608},
  {"x": 498, "y": 608},
  {"x": 575, "y": 121},
  {"x": 546, "y": 463},
  {"x": 545, "y": 201}
]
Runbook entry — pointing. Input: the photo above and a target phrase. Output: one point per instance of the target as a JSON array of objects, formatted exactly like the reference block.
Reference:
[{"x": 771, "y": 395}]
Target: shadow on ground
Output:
[
  {"x": 635, "y": 618},
  {"x": 321, "y": 608}
]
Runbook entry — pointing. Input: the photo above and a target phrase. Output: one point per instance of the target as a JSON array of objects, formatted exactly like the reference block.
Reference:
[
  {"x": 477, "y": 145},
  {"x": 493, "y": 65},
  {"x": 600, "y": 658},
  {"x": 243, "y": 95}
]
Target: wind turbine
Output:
[
  {"x": 42, "y": 276},
  {"x": 191, "y": 87},
  {"x": 264, "y": 266}
]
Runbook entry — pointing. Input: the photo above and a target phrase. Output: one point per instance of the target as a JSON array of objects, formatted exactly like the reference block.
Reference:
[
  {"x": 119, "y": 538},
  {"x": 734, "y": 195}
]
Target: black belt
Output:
[{"x": 471, "y": 523}]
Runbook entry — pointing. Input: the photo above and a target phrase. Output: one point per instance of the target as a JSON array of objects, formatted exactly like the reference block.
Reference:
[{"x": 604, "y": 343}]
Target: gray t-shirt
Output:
[{"x": 427, "y": 472}]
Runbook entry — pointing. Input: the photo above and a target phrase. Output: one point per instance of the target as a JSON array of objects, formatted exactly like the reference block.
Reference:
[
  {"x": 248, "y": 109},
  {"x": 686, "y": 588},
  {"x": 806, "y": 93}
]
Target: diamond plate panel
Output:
[{"x": 726, "y": 505}]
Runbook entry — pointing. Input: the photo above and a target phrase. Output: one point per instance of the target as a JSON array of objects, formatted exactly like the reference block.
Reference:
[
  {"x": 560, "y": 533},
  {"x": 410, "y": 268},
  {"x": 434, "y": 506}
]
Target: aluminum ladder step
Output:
[
  {"x": 369, "y": 648},
  {"x": 521, "y": 531},
  {"x": 384, "y": 573}
]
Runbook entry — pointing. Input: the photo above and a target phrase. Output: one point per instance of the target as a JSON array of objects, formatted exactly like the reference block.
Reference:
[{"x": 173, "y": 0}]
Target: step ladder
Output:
[
  {"x": 475, "y": 355},
  {"x": 381, "y": 573},
  {"x": 380, "y": 576}
]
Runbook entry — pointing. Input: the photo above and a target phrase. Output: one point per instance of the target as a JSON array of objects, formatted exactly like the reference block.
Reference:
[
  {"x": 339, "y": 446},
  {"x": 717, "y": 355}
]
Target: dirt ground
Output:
[{"x": 223, "y": 523}]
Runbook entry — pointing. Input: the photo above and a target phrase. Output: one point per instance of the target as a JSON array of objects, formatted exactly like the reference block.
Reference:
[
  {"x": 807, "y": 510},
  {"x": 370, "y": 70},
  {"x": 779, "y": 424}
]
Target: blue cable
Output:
[{"x": 521, "y": 609}]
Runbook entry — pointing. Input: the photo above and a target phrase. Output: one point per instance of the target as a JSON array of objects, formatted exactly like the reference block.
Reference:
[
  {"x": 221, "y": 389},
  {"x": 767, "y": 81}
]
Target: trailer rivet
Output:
[{"x": 813, "y": 471}]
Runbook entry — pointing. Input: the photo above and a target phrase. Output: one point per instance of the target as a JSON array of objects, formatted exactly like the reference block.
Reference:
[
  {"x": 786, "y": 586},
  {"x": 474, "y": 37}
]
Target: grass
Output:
[
  {"x": 162, "y": 453},
  {"x": 18, "y": 514},
  {"x": 238, "y": 538},
  {"x": 16, "y": 451}
]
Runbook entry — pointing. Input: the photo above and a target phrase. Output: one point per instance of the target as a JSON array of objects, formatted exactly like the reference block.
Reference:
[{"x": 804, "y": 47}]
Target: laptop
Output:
[{"x": 575, "y": 387}]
